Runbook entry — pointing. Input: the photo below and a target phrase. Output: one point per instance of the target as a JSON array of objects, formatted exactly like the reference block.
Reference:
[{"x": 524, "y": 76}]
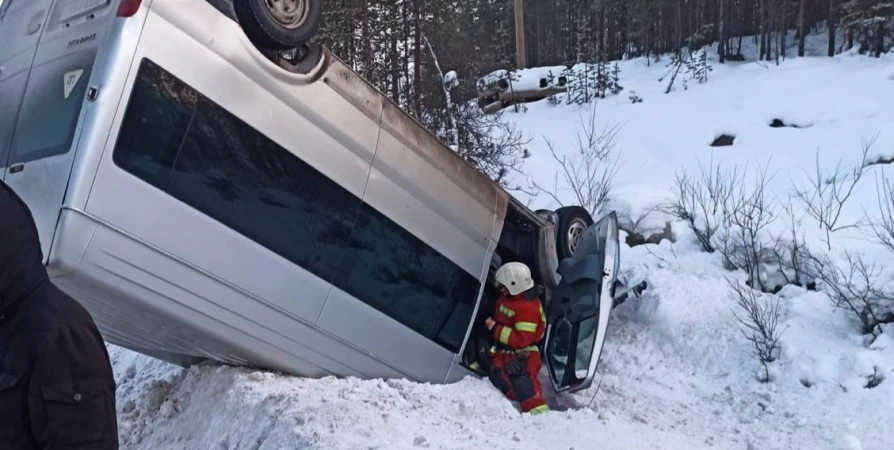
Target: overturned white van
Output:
[{"x": 205, "y": 199}]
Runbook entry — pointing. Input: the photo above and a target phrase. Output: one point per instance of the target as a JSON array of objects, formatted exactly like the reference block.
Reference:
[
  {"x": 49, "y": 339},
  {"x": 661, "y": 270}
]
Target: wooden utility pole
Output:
[{"x": 520, "y": 33}]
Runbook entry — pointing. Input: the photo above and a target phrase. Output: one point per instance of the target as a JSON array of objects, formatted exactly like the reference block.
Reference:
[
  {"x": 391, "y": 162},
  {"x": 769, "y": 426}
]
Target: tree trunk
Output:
[
  {"x": 417, "y": 58},
  {"x": 405, "y": 64},
  {"x": 395, "y": 58},
  {"x": 367, "y": 42},
  {"x": 802, "y": 32},
  {"x": 764, "y": 52},
  {"x": 602, "y": 32},
  {"x": 452, "y": 133},
  {"x": 721, "y": 40},
  {"x": 831, "y": 28},
  {"x": 520, "y": 49},
  {"x": 679, "y": 27},
  {"x": 783, "y": 31}
]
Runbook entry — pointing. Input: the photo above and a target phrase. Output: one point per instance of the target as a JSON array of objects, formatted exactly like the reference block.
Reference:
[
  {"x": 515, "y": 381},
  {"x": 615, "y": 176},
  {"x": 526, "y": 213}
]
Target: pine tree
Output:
[
  {"x": 702, "y": 66},
  {"x": 616, "y": 87},
  {"x": 552, "y": 82},
  {"x": 872, "y": 23},
  {"x": 603, "y": 82},
  {"x": 572, "y": 82}
]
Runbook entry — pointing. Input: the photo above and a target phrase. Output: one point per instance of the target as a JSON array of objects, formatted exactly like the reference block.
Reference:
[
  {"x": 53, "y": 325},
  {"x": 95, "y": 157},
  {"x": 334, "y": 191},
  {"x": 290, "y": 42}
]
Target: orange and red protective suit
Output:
[{"x": 515, "y": 361}]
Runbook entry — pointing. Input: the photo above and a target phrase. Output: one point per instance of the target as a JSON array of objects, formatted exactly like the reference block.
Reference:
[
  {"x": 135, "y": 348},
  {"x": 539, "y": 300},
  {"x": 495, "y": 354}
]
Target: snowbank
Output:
[{"x": 675, "y": 375}]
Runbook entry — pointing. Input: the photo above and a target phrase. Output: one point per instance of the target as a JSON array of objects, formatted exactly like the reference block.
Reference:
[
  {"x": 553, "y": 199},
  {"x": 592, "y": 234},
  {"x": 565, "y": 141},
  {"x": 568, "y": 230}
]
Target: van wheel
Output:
[
  {"x": 573, "y": 222},
  {"x": 279, "y": 24}
]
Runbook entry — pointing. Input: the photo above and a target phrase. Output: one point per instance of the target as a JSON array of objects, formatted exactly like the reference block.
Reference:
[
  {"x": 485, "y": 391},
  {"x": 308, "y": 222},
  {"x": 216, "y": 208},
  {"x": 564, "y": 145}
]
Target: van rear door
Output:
[
  {"x": 52, "y": 47},
  {"x": 579, "y": 312},
  {"x": 21, "y": 24}
]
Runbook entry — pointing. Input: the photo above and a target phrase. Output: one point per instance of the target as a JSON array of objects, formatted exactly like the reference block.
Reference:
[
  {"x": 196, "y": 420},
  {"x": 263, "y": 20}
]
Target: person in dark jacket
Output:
[{"x": 57, "y": 390}]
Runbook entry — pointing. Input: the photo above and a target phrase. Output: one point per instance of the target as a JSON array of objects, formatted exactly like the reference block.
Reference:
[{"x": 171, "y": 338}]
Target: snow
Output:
[{"x": 676, "y": 373}]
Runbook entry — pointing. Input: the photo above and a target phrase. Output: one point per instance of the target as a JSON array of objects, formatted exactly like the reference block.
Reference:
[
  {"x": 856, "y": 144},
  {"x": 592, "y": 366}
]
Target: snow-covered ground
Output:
[{"x": 676, "y": 372}]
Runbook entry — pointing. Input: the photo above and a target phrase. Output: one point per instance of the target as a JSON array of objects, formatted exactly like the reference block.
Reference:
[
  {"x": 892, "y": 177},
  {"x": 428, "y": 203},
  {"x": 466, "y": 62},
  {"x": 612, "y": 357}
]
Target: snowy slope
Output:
[{"x": 676, "y": 372}]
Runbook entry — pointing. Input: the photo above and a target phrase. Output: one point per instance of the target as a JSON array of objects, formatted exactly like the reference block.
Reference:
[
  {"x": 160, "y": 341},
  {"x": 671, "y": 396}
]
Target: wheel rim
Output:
[
  {"x": 288, "y": 13},
  {"x": 576, "y": 234}
]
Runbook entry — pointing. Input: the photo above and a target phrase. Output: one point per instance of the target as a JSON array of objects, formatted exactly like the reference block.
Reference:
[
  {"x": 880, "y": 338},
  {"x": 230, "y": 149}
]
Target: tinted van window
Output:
[
  {"x": 236, "y": 175},
  {"x": 158, "y": 114},
  {"x": 51, "y": 108},
  {"x": 181, "y": 142},
  {"x": 398, "y": 274},
  {"x": 10, "y": 98}
]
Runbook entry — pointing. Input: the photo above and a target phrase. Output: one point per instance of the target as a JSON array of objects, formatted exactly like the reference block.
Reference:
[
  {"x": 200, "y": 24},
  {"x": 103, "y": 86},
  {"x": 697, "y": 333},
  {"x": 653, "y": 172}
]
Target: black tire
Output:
[
  {"x": 269, "y": 33},
  {"x": 573, "y": 220}
]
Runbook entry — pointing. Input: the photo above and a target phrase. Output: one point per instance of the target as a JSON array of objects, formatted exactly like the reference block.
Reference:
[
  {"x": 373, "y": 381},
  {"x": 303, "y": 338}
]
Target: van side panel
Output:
[
  {"x": 383, "y": 338},
  {"x": 224, "y": 282},
  {"x": 197, "y": 305}
]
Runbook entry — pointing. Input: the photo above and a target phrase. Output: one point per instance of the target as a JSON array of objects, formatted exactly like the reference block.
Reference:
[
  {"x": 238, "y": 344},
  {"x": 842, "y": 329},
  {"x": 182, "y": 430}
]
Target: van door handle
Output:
[
  {"x": 36, "y": 23},
  {"x": 16, "y": 168}
]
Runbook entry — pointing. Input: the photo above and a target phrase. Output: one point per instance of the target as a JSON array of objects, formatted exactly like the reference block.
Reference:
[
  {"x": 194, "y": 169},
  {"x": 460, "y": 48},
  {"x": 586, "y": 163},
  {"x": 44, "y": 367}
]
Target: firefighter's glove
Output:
[{"x": 517, "y": 368}]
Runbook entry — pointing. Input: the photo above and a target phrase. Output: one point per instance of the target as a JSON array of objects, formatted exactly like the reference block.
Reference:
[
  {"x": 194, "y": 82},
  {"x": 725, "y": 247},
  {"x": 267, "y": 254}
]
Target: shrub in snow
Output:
[
  {"x": 700, "y": 201},
  {"x": 791, "y": 254},
  {"x": 824, "y": 193},
  {"x": 744, "y": 239},
  {"x": 589, "y": 173},
  {"x": 634, "y": 98},
  {"x": 758, "y": 317},
  {"x": 859, "y": 287},
  {"x": 883, "y": 225},
  {"x": 731, "y": 216}
]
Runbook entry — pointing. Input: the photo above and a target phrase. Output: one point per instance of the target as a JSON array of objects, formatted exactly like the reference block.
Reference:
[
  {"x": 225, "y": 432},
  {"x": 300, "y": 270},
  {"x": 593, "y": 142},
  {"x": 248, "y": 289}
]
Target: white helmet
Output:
[{"x": 515, "y": 276}]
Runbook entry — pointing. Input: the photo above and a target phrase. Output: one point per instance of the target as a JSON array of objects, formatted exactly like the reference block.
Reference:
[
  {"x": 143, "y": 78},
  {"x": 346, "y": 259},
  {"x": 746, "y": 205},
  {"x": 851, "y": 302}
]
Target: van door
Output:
[
  {"x": 60, "y": 43},
  {"x": 21, "y": 24},
  {"x": 579, "y": 312}
]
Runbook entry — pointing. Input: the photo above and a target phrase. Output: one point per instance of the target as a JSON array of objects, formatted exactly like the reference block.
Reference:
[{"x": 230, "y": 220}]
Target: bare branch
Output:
[
  {"x": 883, "y": 227},
  {"x": 743, "y": 241},
  {"x": 590, "y": 174},
  {"x": 700, "y": 202},
  {"x": 823, "y": 197},
  {"x": 758, "y": 318},
  {"x": 855, "y": 287}
]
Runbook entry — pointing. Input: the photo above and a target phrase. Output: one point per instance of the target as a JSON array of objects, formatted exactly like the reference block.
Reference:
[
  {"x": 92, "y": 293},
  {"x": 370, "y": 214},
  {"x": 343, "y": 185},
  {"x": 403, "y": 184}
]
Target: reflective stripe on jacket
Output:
[{"x": 521, "y": 323}]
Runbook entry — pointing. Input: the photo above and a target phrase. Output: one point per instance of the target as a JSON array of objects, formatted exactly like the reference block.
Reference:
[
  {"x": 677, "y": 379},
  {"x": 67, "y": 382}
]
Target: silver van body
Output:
[{"x": 168, "y": 278}]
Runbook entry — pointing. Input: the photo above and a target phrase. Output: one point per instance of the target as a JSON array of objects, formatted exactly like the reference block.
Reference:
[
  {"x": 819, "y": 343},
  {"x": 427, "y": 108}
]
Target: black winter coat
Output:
[{"x": 56, "y": 385}]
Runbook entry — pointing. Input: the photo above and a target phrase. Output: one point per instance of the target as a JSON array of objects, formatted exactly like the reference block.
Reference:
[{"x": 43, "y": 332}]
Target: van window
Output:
[
  {"x": 159, "y": 112},
  {"x": 236, "y": 175},
  {"x": 10, "y": 97},
  {"x": 398, "y": 274},
  {"x": 184, "y": 144},
  {"x": 51, "y": 108}
]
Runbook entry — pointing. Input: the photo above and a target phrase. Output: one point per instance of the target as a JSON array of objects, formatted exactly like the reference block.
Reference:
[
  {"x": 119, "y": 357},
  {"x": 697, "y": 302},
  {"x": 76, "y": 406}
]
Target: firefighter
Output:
[{"x": 518, "y": 324}]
